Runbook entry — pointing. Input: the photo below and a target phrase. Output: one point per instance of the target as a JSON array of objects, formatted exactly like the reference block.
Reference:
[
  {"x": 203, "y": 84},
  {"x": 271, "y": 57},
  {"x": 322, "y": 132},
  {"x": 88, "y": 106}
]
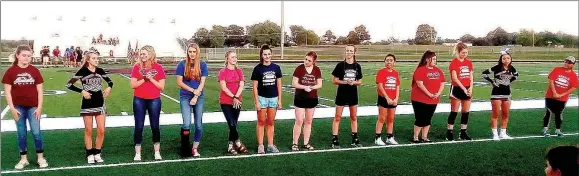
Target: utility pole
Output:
[
  {"x": 533, "y": 31},
  {"x": 282, "y": 30}
]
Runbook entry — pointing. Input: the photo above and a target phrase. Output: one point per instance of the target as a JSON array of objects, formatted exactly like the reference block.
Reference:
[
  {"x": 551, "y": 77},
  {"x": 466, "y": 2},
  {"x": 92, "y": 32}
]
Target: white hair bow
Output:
[{"x": 504, "y": 51}]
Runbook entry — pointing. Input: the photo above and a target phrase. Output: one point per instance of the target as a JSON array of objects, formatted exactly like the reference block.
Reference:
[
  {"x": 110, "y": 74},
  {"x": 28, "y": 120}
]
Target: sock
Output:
[
  {"x": 557, "y": 130},
  {"x": 389, "y": 135},
  {"x": 503, "y": 131},
  {"x": 378, "y": 135},
  {"x": 545, "y": 128},
  {"x": 495, "y": 132},
  {"x": 88, "y": 152}
]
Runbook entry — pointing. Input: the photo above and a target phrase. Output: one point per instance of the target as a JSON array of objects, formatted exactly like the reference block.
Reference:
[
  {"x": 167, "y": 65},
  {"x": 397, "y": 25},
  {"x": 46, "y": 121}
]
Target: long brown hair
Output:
[
  {"x": 427, "y": 55},
  {"x": 193, "y": 65},
  {"x": 355, "y": 50},
  {"x": 152, "y": 57},
  {"x": 19, "y": 49}
]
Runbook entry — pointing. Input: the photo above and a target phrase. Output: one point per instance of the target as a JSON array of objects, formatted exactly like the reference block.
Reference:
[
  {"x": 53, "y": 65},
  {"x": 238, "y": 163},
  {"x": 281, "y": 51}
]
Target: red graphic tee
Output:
[
  {"x": 307, "y": 79},
  {"x": 432, "y": 78},
  {"x": 563, "y": 82},
  {"x": 23, "y": 81},
  {"x": 390, "y": 81},
  {"x": 463, "y": 71}
]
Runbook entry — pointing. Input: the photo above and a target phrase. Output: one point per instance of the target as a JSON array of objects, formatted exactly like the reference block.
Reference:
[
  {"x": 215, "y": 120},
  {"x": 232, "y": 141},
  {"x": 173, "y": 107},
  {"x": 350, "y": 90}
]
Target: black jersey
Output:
[{"x": 502, "y": 78}]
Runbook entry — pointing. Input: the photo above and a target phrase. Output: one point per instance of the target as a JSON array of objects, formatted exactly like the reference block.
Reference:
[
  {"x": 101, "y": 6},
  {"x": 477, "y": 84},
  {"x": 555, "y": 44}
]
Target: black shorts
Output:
[
  {"x": 306, "y": 103},
  {"x": 383, "y": 103},
  {"x": 347, "y": 100},
  {"x": 457, "y": 93},
  {"x": 555, "y": 106}
]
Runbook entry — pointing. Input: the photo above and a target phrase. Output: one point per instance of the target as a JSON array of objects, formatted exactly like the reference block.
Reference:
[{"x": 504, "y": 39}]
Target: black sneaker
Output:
[
  {"x": 449, "y": 135},
  {"x": 356, "y": 142},
  {"x": 335, "y": 143},
  {"x": 464, "y": 136}
]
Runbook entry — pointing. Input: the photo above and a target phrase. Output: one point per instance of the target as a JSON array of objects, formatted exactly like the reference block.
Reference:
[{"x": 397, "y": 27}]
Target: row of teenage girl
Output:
[{"x": 23, "y": 84}]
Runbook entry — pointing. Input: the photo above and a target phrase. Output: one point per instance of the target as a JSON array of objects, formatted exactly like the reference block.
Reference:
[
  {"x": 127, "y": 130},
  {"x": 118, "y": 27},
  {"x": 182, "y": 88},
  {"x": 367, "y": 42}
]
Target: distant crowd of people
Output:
[{"x": 100, "y": 40}]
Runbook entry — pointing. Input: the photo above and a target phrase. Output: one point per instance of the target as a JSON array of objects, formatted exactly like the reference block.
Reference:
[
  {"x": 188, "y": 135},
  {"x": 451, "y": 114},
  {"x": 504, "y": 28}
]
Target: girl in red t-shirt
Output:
[
  {"x": 231, "y": 82},
  {"x": 427, "y": 85},
  {"x": 307, "y": 79},
  {"x": 23, "y": 92},
  {"x": 562, "y": 82},
  {"x": 388, "y": 93},
  {"x": 147, "y": 80},
  {"x": 461, "y": 79}
]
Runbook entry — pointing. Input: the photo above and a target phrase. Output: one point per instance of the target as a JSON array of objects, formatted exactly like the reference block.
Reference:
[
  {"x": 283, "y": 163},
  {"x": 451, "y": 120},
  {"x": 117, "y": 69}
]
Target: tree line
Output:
[{"x": 268, "y": 32}]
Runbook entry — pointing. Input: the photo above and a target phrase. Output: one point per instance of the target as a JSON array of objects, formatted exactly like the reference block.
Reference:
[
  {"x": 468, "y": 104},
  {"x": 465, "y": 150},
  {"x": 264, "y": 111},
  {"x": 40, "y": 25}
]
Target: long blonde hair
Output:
[
  {"x": 152, "y": 57},
  {"x": 227, "y": 56},
  {"x": 193, "y": 70},
  {"x": 86, "y": 58}
]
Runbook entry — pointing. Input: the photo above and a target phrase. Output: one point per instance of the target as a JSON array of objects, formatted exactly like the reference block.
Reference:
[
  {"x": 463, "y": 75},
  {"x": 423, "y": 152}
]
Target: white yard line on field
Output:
[
  {"x": 5, "y": 111},
  {"x": 264, "y": 155},
  {"x": 249, "y": 115}
]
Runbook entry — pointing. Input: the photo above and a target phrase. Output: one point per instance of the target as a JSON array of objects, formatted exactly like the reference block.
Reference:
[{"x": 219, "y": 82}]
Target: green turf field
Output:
[
  {"x": 531, "y": 85},
  {"x": 506, "y": 157}
]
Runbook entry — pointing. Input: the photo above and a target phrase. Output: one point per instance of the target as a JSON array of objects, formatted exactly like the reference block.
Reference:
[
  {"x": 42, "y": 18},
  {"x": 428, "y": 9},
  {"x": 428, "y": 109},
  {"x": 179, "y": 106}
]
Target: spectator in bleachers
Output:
[
  {"x": 56, "y": 55},
  {"x": 93, "y": 41},
  {"x": 44, "y": 54}
]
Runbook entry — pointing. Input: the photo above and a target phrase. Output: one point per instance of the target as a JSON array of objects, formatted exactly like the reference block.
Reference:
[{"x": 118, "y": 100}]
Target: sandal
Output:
[
  {"x": 241, "y": 147},
  {"x": 308, "y": 146},
  {"x": 425, "y": 140},
  {"x": 415, "y": 141},
  {"x": 295, "y": 147}
]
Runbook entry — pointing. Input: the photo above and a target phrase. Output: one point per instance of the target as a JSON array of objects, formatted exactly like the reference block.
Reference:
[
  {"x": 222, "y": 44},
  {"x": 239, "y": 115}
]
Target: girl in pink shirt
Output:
[
  {"x": 147, "y": 80},
  {"x": 231, "y": 81}
]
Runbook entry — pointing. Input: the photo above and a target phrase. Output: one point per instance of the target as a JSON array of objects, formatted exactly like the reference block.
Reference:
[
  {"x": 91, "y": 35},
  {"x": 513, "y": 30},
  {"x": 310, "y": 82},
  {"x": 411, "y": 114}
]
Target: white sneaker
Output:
[
  {"x": 392, "y": 141},
  {"x": 196, "y": 153},
  {"x": 158, "y": 155},
  {"x": 98, "y": 158},
  {"x": 505, "y": 136},
  {"x": 379, "y": 142},
  {"x": 137, "y": 157},
  {"x": 21, "y": 164},
  {"x": 496, "y": 137},
  {"x": 90, "y": 159},
  {"x": 42, "y": 163}
]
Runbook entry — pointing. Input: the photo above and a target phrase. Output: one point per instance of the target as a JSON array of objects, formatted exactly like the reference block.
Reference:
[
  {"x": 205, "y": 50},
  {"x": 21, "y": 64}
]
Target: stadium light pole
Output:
[{"x": 282, "y": 30}]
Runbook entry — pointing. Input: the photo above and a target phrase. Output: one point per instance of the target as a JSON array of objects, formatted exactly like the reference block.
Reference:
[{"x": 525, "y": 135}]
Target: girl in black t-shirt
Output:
[
  {"x": 348, "y": 76},
  {"x": 307, "y": 79}
]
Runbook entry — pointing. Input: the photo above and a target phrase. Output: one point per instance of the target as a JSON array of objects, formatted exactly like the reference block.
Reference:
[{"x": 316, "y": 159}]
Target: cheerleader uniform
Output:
[{"x": 91, "y": 82}]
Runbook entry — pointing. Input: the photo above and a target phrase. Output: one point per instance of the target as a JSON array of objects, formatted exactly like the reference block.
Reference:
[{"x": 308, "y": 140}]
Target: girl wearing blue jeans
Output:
[
  {"x": 147, "y": 80},
  {"x": 191, "y": 74},
  {"x": 23, "y": 86}
]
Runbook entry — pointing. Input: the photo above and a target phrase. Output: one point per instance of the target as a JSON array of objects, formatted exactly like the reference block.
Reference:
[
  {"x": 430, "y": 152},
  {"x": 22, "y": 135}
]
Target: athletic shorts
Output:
[
  {"x": 45, "y": 59},
  {"x": 347, "y": 100},
  {"x": 267, "y": 102},
  {"x": 306, "y": 103},
  {"x": 383, "y": 103},
  {"x": 457, "y": 93}
]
